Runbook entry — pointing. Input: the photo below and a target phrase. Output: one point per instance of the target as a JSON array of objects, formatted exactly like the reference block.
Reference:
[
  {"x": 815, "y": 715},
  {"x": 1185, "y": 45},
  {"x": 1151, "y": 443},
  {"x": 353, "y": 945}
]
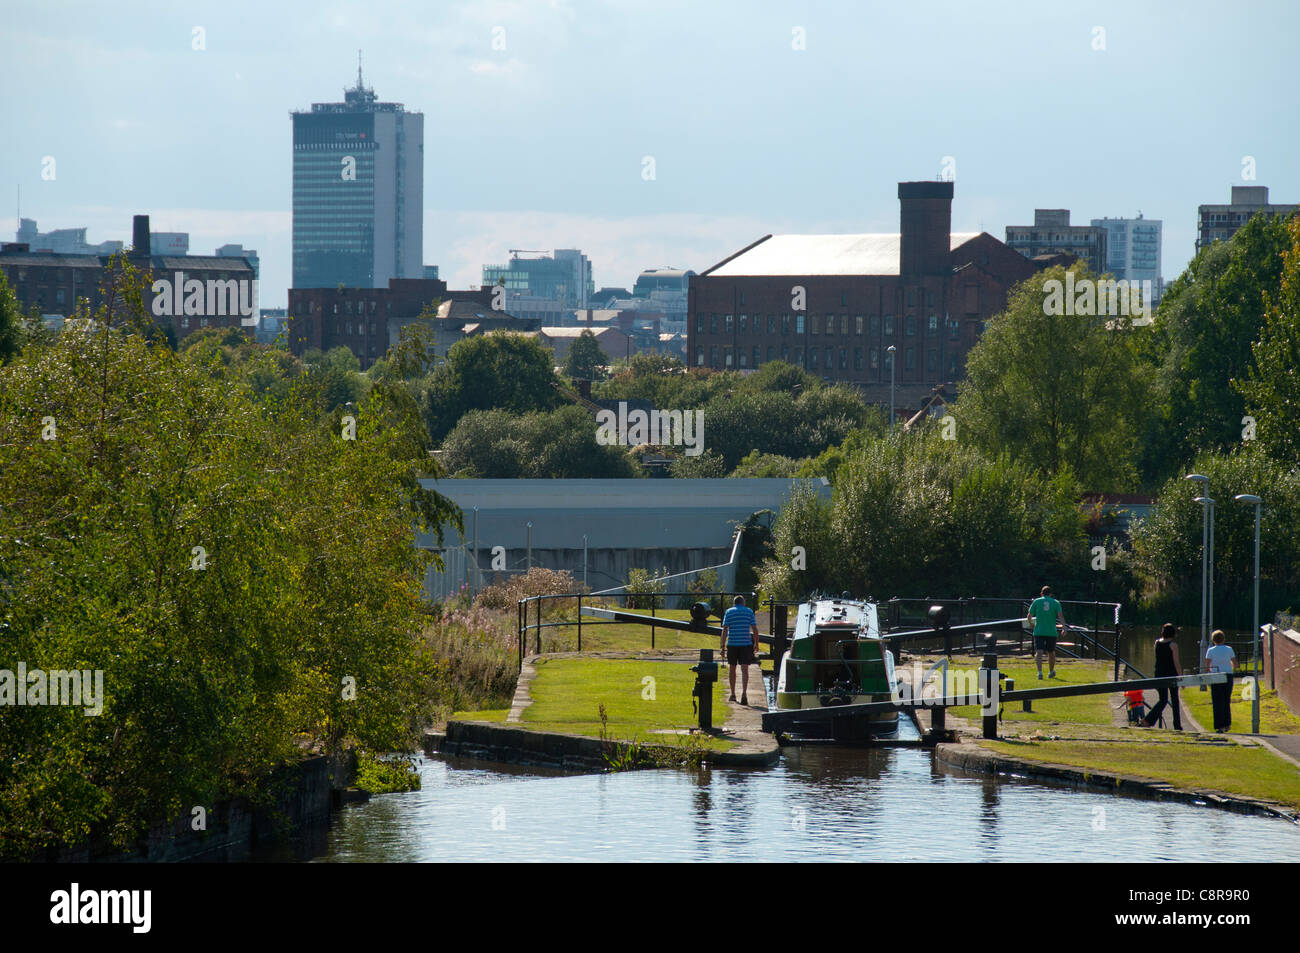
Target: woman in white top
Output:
[{"x": 1221, "y": 658}]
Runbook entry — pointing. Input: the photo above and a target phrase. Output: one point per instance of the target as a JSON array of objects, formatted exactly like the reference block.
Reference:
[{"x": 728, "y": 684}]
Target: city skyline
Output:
[{"x": 581, "y": 125}]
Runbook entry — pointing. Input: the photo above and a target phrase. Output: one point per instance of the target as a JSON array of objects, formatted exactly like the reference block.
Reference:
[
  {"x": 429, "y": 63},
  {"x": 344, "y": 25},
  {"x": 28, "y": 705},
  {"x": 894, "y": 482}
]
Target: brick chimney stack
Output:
[
  {"x": 925, "y": 224},
  {"x": 140, "y": 237}
]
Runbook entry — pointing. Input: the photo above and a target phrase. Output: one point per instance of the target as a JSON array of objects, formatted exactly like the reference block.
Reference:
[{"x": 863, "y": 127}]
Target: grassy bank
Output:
[
  {"x": 646, "y": 702},
  {"x": 1274, "y": 717},
  {"x": 1187, "y": 763},
  {"x": 1080, "y": 732}
]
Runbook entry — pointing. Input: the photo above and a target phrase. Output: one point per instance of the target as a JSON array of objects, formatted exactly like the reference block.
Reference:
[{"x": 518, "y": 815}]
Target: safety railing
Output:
[{"x": 537, "y": 614}]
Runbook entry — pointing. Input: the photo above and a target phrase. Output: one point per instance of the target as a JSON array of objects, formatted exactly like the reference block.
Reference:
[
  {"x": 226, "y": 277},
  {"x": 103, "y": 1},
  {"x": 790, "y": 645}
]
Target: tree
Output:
[
  {"x": 491, "y": 371},
  {"x": 242, "y": 574},
  {"x": 1204, "y": 330},
  {"x": 585, "y": 358},
  {"x": 11, "y": 319},
  {"x": 558, "y": 444},
  {"x": 1063, "y": 392},
  {"x": 1273, "y": 387}
]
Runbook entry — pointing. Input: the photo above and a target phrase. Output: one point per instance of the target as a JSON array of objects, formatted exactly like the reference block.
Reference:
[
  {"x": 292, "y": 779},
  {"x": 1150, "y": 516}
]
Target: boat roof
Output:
[{"x": 837, "y": 614}]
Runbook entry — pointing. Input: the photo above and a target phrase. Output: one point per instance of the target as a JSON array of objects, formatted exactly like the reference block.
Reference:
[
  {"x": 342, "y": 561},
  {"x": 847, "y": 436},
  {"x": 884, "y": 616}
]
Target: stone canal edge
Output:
[
  {"x": 752, "y": 747},
  {"x": 970, "y": 757}
]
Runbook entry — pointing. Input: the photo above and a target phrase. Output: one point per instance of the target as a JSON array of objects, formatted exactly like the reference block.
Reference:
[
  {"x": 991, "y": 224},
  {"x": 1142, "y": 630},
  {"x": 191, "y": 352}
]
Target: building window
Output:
[
  {"x": 699, "y": 323},
  {"x": 742, "y": 297},
  {"x": 812, "y": 358},
  {"x": 798, "y": 324},
  {"x": 844, "y": 358},
  {"x": 699, "y": 355},
  {"x": 954, "y": 329},
  {"x": 798, "y": 356},
  {"x": 726, "y": 324},
  {"x": 713, "y": 355},
  {"x": 758, "y": 354},
  {"x": 741, "y": 356},
  {"x": 934, "y": 323},
  {"x": 857, "y": 358},
  {"x": 812, "y": 324},
  {"x": 889, "y": 325},
  {"x": 785, "y": 352},
  {"x": 771, "y": 324},
  {"x": 713, "y": 324},
  {"x": 857, "y": 324},
  {"x": 911, "y": 359},
  {"x": 726, "y": 357},
  {"x": 771, "y": 353},
  {"x": 931, "y": 360},
  {"x": 874, "y": 325},
  {"x": 785, "y": 329},
  {"x": 743, "y": 322},
  {"x": 844, "y": 324},
  {"x": 952, "y": 366},
  {"x": 911, "y": 326}
]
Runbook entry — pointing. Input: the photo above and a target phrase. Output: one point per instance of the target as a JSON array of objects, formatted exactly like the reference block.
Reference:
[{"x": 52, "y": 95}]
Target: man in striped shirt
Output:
[{"x": 739, "y": 638}]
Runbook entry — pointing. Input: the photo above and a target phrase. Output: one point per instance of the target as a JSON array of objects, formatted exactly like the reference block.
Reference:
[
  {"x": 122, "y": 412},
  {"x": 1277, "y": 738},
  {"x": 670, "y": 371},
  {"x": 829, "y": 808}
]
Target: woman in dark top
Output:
[{"x": 1167, "y": 664}]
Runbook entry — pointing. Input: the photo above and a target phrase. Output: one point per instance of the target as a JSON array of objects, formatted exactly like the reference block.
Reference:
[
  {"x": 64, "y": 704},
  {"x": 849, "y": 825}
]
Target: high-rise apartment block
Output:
[
  {"x": 1220, "y": 222},
  {"x": 358, "y": 192},
  {"x": 1053, "y": 234},
  {"x": 1133, "y": 249}
]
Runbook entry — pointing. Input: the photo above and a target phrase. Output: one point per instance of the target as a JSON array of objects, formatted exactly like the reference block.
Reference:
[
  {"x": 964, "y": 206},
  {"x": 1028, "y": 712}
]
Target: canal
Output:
[{"x": 818, "y": 804}]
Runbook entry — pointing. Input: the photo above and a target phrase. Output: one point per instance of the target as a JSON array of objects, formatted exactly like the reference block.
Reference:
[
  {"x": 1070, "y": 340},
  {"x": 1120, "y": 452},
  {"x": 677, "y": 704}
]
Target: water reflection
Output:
[{"x": 818, "y": 804}]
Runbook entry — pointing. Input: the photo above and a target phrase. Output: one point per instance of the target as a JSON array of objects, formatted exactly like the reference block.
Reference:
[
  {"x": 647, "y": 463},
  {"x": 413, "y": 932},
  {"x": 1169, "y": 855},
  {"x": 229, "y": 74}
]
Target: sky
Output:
[{"x": 649, "y": 134}]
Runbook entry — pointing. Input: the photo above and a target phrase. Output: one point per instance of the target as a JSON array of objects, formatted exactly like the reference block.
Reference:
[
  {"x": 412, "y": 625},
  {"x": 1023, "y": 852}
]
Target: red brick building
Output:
[
  {"x": 834, "y": 304},
  {"x": 189, "y": 292},
  {"x": 368, "y": 321}
]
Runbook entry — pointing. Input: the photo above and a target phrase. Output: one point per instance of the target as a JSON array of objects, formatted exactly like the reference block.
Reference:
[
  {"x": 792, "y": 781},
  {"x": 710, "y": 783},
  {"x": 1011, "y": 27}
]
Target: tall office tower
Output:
[
  {"x": 358, "y": 192},
  {"x": 1133, "y": 249}
]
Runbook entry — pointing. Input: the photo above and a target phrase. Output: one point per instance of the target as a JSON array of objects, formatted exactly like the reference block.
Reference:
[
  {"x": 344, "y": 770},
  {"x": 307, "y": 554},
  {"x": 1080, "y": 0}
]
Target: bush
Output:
[{"x": 643, "y": 590}]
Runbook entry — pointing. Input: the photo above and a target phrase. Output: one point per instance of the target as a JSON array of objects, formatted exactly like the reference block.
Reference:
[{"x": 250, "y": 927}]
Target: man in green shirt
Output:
[{"x": 1045, "y": 612}]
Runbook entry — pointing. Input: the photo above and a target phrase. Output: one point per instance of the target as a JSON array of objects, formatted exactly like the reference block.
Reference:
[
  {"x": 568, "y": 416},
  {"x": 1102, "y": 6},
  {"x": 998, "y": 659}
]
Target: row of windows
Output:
[
  {"x": 844, "y": 297},
  {"x": 834, "y": 357},
  {"x": 748, "y": 324}
]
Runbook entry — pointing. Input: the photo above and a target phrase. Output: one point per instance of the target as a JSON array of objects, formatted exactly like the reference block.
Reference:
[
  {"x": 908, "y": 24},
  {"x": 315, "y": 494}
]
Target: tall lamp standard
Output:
[
  {"x": 1205, "y": 552},
  {"x": 1254, "y": 636},
  {"x": 890, "y": 351}
]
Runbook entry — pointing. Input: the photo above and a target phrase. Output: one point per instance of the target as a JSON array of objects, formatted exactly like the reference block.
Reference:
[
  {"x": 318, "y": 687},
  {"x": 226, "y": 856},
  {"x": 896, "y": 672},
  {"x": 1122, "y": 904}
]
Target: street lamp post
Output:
[
  {"x": 1254, "y": 635},
  {"x": 1205, "y": 551},
  {"x": 891, "y": 350},
  {"x": 584, "y": 560},
  {"x": 530, "y": 545},
  {"x": 478, "y": 574}
]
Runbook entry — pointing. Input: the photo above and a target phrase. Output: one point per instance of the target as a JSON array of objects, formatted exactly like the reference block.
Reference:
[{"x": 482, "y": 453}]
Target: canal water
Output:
[
  {"x": 824, "y": 804},
  {"x": 821, "y": 804}
]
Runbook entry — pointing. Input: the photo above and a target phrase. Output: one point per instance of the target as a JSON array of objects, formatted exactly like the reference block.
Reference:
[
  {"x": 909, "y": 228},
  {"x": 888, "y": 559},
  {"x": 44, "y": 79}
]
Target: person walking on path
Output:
[
  {"x": 1045, "y": 612},
  {"x": 740, "y": 639},
  {"x": 1166, "y": 664},
  {"x": 1221, "y": 658}
]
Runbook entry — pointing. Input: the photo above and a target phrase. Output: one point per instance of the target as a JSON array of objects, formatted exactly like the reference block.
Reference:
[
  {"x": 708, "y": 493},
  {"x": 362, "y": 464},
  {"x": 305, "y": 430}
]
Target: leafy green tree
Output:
[
  {"x": 706, "y": 465},
  {"x": 243, "y": 576},
  {"x": 585, "y": 358},
  {"x": 915, "y": 515},
  {"x": 11, "y": 320},
  {"x": 509, "y": 372},
  {"x": 557, "y": 444},
  {"x": 1168, "y": 544},
  {"x": 765, "y": 465},
  {"x": 1063, "y": 392},
  {"x": 1273, "y": 389},
  {"x": 1204, "y": 331}
]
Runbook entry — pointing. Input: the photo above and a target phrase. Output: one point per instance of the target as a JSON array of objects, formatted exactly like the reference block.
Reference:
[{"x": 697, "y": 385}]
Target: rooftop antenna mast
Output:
[{"x": 360, "y": 85}]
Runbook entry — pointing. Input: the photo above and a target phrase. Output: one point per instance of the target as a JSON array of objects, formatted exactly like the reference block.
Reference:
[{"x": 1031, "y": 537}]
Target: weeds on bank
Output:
[{"x": 380, "y": 775}]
